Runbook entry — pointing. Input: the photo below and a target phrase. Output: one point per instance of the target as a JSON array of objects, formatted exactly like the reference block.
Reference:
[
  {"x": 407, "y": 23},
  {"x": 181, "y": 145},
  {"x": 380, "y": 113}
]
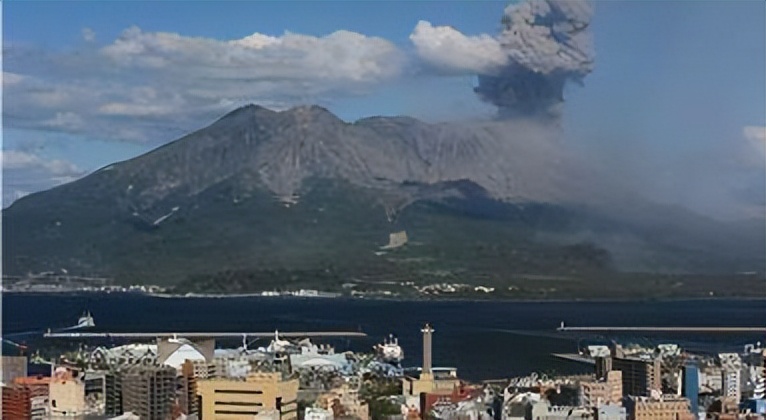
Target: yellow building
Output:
[
  {"x": 642, "y": 408},
  {"x": 66, "y": 395},
  {"x": 242, "y": 399},
  {"x": 597, "y": 393}
]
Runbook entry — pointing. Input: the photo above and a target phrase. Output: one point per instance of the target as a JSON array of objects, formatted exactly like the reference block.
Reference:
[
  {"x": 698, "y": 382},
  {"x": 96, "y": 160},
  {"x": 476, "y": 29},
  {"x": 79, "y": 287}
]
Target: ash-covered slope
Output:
[
  {"x": 279, "y": 150},
  {"x": 278, "y": 193}
]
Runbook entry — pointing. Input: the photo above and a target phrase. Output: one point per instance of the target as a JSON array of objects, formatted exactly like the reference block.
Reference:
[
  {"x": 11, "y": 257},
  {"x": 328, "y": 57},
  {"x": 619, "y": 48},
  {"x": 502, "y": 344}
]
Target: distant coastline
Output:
[{"x": 260, "y": 295}]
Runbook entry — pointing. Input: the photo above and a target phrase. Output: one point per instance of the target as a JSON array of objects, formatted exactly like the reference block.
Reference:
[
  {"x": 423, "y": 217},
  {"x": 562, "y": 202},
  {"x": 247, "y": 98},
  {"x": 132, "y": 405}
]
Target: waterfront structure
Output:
[
  {"x": 643, "y": 408},
  {"x": 66, "y": 394},
  {"x": 605, "y": 391},
  {"x": 13, "y": 367},
  {"x": 691, "y": 387},
  {"x": 428, "y": 380},
  {"x": 149, "y": 391},
  {"x": 639, "y": 376},
  {"x": 259, "y": 391}
]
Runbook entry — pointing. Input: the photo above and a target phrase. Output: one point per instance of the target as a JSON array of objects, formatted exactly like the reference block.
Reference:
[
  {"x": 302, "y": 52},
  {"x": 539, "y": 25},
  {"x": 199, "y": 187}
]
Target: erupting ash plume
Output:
[
  {"x": 523, "y": 70},
  {"x": 547, "y": 43}
]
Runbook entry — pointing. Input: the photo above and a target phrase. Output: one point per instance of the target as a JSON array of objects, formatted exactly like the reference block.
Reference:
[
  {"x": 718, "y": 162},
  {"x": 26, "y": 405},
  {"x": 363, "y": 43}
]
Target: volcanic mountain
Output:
[{"x": 302, "y": 196}]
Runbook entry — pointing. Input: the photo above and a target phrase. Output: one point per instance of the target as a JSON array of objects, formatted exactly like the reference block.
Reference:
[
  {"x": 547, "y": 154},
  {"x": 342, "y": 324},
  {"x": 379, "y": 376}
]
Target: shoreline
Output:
[{"x": 258, "y": 295}]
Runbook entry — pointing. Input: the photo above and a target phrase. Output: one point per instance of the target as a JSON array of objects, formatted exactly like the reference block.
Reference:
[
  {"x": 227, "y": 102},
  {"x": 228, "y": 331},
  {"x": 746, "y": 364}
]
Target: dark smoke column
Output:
[{"x": 547, "y": 43}]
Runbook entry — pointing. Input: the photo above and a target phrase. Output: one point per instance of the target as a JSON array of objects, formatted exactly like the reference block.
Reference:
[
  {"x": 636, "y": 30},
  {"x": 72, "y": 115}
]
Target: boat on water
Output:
[
  {"x": 390, "y": 351},
  {"x": 86, "y": 320}
]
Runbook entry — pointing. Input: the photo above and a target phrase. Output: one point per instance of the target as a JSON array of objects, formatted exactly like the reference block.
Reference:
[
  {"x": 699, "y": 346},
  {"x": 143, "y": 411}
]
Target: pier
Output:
[
  {"x": 755, "y": 330},
  {"x": 292, "y": 334}
]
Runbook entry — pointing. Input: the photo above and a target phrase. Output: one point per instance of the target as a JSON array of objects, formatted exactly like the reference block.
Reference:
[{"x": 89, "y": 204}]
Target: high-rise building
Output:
[
  {"x": 113, "y": 393},
  {"x": 187, "y": 389},
  {"x": 691, "y": 387},
  {"x": 256, "y": 394},
  {"x": 639, "y": 377},
  {"x": 149, "y": 391},
  {"x": 603, "y": 366},
  {"x": 731, "y": 377}
]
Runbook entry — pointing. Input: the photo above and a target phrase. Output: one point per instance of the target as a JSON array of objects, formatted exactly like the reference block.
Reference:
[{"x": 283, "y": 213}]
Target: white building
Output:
[{"x": 316, "y": 413}]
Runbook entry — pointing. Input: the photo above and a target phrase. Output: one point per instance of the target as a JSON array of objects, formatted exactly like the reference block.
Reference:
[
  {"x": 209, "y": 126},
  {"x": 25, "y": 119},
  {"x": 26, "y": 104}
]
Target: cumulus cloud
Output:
[
  {"x": 450, "y": 51},
  {"x": 24, "y": 172},
  {"x": 156, "y": 86}
]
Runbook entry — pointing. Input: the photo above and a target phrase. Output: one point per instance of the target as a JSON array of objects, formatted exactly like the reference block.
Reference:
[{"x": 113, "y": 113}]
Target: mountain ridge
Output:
[{"x": 254, "y": 176}]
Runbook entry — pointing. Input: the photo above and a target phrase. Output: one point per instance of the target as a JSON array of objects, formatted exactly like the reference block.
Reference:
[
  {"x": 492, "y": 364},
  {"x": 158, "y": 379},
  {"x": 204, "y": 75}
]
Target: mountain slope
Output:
[{"x": 302, "y": 193}]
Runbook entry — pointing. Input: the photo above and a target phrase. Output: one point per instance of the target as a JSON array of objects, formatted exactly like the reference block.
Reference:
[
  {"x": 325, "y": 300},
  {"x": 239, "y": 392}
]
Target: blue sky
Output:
[{"x": 676, "y": 102}]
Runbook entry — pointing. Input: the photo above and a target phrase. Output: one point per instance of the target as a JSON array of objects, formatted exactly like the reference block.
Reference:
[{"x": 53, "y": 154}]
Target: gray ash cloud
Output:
[{"x": 547, "y": 44}]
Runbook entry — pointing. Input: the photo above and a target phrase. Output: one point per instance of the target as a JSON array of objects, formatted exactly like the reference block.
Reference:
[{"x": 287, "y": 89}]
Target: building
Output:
[
  {"x": 442, "y": 397},
  {"x": 316, "y": 413},
  {"x": 149, "y": 391},
  {"x": 187, "y": 389},
  {"x": 606, "y": 391},
  {"x": 344, "y": 401},
  {"x": 66, "y": 394},
  {"x": 95, "y": 393},
  {"x": 113, "y": 393},
  {"x": 553, "y": 412},
  {"x": 639, "y": 376},
  {"x": 237, "y": 398},
  {"x": 691, "y": 388},
  {"x": 39, "y": 390},
  {"x": 13, "y": 367},
  {"x": 731, "y": 377},
  {"x": 603, "y": 365},
  {"x": 611, "y": 412},
  {"x": 643, "y": 408},
  {"x": 16, "y": 403}
]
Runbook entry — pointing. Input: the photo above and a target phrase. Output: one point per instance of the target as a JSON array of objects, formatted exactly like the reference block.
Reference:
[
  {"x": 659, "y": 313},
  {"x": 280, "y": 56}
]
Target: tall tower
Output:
[{"x": 427, "y": 334}]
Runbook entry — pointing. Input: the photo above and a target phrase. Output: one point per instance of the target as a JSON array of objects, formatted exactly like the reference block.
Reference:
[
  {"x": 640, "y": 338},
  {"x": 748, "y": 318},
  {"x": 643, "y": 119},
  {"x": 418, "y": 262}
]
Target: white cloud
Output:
[
  {"x": 24, "y": 172},
  {"x": 756, "y": 137},
  {"x": 755, "y": 134},
  {"x": 88, "y": 34},
  {"x": 450, "y": 51},
  {"x": 66, "y": 121},
  {"x": 157, "y": 86},
  {"x": 16, "y": 159},
  {"x": 10, "y": 79}
]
